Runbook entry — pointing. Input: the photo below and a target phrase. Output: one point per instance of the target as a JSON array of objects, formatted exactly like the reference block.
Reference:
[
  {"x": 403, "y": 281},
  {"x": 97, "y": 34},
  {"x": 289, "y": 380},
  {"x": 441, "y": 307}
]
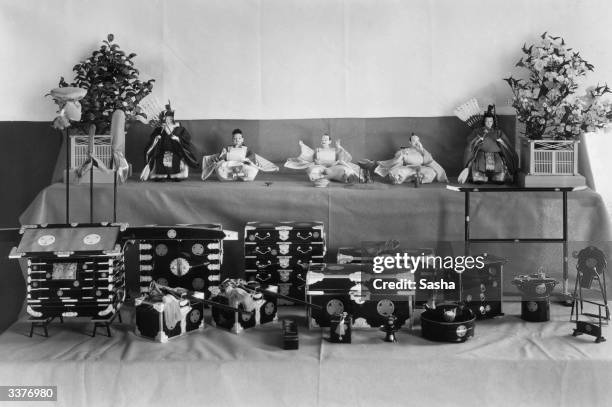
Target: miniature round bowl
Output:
[
  {"x": 435, "y": 330},
  {"x": 535, "y": 286}
]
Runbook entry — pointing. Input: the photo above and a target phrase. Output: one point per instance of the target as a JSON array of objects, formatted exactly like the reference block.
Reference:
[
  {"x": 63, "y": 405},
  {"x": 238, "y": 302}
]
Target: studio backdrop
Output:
[{"x": 280, "y": 59}]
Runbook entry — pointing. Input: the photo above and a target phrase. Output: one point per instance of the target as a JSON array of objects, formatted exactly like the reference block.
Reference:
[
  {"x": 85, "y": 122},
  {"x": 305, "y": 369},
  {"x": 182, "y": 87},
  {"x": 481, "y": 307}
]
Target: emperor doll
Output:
[
  {"x": 488, "y": 156},
  {"x": 170, "y": 152}
]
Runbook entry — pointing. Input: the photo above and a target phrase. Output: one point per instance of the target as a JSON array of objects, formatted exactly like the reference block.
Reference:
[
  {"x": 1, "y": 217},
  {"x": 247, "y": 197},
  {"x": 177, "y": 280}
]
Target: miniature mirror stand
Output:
[{"x": 591, "y": 267}]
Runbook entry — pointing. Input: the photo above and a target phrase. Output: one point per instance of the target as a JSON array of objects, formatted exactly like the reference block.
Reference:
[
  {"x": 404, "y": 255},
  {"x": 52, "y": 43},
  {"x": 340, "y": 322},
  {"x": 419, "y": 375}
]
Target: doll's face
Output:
[
  {"x": 488, "y": 122},
  {"x": 237, "y": 139},
  {"x": 169, "y": 120},
  {"x": 325, "y": 141}
]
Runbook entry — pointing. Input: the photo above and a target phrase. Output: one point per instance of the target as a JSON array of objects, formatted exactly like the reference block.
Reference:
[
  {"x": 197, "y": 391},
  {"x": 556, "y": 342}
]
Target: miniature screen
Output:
[{"x": 64, "y": 271}]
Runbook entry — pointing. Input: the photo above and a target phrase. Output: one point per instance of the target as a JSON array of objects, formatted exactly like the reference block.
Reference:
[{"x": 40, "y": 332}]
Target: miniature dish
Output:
[{"x": 435, "y": 328}]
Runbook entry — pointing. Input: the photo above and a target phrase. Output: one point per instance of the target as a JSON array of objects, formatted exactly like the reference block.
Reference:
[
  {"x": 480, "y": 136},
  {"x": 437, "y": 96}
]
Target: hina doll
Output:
[
  {"x": 488, "y": 156},
  {"x": 235, "y": 162},
  {"x": 169, "y": 153},
  {"x": 411, "y": 164},
  {"x": 325, "y": 162}
]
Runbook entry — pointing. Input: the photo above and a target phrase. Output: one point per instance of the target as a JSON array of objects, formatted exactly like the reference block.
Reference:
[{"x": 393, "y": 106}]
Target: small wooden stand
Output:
[
  {"x": 467, "y": 189},
  {"x": 105, "y": 323},
  {"x": 42, "y": 323}
]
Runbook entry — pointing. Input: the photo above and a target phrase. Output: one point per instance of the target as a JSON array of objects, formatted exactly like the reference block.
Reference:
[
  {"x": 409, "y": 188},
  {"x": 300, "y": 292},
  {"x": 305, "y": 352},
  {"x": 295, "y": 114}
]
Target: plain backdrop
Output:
[{"x": 280, "y": 59}]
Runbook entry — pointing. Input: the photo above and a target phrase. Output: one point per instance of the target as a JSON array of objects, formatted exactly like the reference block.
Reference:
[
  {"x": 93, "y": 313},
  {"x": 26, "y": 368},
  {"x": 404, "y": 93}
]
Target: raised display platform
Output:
[{"x": 351, "y": 213}]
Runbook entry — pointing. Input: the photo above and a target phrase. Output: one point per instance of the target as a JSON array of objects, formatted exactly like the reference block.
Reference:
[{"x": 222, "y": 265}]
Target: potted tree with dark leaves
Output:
[{"x": 112, "y": 82}]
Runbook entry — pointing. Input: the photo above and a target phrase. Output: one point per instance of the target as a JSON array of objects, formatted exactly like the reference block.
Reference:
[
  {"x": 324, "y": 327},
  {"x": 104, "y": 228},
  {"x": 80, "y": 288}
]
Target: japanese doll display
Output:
[
  {"x": 412, "y": 163},
  {"x": 325, "y": 163},
  {"x": 170, "y": 152},
  {"x": 489, "y": 156},
  {"x": 235, "y": 162}
]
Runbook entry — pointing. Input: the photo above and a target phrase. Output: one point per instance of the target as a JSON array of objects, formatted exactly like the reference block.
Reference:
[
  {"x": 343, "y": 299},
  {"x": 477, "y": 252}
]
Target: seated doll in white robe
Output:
[
  {"x": 235, "y": 162},
  {"x": 412, "y": 163},
  {"x": 325, "y": 162}
]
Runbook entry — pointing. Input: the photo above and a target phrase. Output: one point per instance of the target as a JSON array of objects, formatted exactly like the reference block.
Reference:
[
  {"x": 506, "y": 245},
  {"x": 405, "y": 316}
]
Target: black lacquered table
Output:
[{"x": 468, "y": 189}]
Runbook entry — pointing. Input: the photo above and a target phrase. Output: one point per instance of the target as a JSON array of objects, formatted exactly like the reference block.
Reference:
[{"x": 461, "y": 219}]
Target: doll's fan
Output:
[
  {"x": 149, "y": 110},
  {"x": 469, "y": 112},
  {"x": 463, "y": 176}
]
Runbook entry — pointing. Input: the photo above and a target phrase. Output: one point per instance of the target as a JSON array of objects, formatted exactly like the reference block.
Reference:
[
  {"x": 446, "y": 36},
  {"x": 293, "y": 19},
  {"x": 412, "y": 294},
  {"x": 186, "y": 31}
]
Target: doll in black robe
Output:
[
  {"x": 169, "y": 153},
  {"x": 489, "y": 156}
]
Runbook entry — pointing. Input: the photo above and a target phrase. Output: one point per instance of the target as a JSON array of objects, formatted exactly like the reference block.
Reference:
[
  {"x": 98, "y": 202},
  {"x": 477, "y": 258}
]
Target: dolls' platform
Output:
[{"x": 351, "y": 213}]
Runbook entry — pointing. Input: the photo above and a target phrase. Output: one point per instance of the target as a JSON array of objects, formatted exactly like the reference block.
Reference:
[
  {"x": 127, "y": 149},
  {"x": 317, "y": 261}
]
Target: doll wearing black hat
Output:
[
  {"x": 169, "y": 153},
  {"x": 488, "y": 156}
]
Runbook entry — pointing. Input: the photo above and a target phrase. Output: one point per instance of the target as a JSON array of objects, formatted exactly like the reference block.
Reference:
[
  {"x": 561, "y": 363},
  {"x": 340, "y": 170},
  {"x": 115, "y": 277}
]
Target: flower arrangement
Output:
[
  {"x": 112, "y": 83},
  {"x": 546, "y": 101}
]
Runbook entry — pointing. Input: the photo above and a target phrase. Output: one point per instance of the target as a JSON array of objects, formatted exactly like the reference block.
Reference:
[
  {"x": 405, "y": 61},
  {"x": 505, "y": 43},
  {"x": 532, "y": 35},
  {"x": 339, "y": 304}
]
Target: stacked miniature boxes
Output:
[
  {"x": 279, "y": 253},
  {"x": 73, "y": 271}
]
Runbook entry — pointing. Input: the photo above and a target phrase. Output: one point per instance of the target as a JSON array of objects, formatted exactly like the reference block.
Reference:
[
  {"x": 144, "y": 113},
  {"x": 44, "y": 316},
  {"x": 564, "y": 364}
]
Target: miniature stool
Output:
[
  {"x": 42, "y": 323},
  {"x": 105, "y": 323}
]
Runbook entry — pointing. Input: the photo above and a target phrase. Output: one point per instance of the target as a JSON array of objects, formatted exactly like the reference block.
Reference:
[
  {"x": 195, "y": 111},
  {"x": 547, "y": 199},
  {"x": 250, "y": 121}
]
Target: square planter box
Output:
[
  {"x": 549, "y": 157},
  {"x": 548, "y": 163},
  {"x": 102, "y": 149},
  {"x": 79, "y": 145}
]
